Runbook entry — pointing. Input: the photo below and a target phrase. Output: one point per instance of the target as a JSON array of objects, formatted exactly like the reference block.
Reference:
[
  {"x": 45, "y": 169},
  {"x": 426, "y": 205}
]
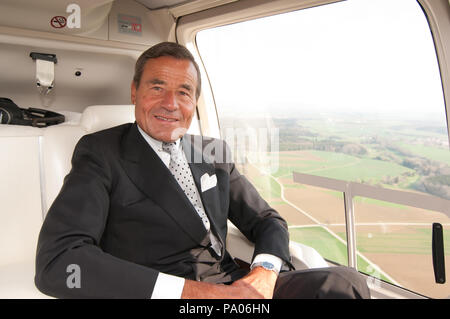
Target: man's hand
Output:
[{"x": 258, "y": 284}]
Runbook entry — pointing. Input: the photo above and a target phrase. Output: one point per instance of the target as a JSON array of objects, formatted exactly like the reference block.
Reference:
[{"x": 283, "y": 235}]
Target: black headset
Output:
[{"x": 10, "y": 113}]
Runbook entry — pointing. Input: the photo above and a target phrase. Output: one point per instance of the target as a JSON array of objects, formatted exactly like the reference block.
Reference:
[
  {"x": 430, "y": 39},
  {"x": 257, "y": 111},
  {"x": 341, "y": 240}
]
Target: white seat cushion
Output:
[
  {"x": 20, "y": 196},
  {"x": 17, "y": 281},
  {"x": 58, "y": 144},
  {"x": 60, "y": 140},
  {"x": 100, "y": 117}
]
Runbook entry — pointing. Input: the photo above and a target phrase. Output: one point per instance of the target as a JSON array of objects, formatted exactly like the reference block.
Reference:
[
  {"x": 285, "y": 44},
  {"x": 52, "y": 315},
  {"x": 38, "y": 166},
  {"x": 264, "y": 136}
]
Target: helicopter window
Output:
[{"x": 349, "y": 91}]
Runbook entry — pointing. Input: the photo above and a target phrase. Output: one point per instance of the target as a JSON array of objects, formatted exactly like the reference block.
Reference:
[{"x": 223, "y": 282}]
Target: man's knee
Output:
[
  {"x": 324, "y": 283},
  {"x": 344, "y": 283}
]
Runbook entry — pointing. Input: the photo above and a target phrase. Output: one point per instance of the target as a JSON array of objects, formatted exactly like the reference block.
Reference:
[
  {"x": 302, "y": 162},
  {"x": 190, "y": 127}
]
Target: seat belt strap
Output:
[{"x": 45, "y": 71}]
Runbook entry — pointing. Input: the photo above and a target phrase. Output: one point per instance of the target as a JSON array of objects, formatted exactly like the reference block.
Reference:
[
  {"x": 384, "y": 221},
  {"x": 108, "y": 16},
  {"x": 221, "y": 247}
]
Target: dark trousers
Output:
[{"x": 321, "y": 283}]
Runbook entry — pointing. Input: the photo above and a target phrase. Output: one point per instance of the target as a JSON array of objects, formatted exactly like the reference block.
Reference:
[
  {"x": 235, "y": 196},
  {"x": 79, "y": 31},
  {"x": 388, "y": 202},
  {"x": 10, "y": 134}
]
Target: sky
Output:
[{"x": 351, "y": 56}]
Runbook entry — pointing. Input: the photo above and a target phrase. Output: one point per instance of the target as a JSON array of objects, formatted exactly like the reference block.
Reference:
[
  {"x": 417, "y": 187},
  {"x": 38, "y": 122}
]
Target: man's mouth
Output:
[{"x": 167, "y": 119}]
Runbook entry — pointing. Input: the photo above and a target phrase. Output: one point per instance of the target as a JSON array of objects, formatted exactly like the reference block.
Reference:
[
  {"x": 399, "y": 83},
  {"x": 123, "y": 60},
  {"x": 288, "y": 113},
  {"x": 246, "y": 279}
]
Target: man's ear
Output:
[{"x": 133, "y": 92}]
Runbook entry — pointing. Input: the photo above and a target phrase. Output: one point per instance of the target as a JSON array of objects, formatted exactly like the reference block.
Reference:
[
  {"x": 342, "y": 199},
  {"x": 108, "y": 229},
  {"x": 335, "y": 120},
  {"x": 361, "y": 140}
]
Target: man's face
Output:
[{"x": 165, "y": 99}]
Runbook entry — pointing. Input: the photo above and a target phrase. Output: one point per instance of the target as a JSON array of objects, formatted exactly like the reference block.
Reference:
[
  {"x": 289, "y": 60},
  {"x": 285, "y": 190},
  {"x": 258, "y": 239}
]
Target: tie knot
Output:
[{"x": 169, "y": 147}]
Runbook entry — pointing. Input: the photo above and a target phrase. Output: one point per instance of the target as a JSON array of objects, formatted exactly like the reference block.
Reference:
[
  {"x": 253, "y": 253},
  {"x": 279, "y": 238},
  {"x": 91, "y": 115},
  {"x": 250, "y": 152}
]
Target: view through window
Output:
[{"x": 349, "y": 91}]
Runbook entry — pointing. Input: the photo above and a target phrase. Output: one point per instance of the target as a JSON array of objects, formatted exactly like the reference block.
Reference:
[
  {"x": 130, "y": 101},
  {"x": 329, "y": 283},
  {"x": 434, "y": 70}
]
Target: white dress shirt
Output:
[{"x": 169, "y": 286}]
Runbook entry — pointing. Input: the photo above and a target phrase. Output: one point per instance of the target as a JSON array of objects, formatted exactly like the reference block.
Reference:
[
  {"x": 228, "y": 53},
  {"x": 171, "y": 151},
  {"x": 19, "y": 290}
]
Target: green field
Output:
[
  {"x": 362, "y": 169},
  {"x": 433, "y": 153},
  {"x": 320, "y": 239},
  {"x": 328, "y": 246},
  {"x": 338, "y": 166},
  {"x": 416, "y": 241}
]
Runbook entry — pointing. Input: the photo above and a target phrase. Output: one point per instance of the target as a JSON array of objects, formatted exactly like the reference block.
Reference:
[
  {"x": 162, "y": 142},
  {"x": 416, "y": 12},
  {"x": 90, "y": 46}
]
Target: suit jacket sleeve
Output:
[
  {"x": 261, "y": 224},
  {"x": 71, "y": 234}
]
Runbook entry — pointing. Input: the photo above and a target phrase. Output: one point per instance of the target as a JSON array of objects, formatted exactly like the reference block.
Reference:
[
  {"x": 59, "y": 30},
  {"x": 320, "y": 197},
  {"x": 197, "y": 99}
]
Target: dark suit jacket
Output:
[{"x": 122, "y": 218}]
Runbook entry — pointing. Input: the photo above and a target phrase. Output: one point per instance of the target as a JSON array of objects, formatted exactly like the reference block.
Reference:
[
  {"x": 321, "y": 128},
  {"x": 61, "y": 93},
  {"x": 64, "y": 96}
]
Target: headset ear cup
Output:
[
  {"x": 5, "y": 116},
  {"x": 10, "y": 112}
]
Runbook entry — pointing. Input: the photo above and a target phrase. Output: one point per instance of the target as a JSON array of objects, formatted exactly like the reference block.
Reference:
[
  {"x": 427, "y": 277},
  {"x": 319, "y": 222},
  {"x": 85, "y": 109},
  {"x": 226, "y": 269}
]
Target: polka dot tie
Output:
[{"x": 179, "y": 168}]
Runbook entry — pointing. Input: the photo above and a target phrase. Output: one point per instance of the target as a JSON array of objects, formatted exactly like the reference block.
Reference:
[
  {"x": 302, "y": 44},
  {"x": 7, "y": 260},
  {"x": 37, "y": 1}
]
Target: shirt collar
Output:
[{"x": 154, "y": 143}]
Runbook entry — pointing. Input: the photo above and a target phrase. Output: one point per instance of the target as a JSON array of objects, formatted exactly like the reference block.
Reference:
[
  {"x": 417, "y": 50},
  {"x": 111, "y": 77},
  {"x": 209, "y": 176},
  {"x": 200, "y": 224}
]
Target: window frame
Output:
[{"x": 437, "y": 15}]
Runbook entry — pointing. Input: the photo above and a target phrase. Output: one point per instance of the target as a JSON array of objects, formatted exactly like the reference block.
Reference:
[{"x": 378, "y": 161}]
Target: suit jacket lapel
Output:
[
  {"x": 201, "y": 164},
  {"x": 154, "y": 179}
]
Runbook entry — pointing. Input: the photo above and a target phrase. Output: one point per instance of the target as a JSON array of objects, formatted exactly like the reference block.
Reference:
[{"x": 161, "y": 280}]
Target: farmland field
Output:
[
  {"x": 339, "y": 166},
  {"x": 393, "y": 241},
  {"x": 384, "y": 232}
]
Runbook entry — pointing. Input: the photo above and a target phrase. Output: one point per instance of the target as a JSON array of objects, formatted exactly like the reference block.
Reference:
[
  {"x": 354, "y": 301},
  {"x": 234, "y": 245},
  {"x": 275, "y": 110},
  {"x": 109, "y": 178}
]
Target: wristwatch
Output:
[{"x": 266, "y": 265}]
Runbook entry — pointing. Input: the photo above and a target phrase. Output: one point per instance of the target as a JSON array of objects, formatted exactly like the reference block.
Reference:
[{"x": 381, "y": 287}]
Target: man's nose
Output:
[{"x": 169, "y": 101}]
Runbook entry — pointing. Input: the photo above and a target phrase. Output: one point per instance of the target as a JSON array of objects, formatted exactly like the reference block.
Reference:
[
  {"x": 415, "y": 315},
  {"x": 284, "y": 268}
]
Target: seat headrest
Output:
[{"x": 100, "y": 117}]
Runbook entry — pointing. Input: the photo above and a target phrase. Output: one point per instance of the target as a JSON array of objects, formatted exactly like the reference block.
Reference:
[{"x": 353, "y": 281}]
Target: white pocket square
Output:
[{"x": 208, "y": 182}]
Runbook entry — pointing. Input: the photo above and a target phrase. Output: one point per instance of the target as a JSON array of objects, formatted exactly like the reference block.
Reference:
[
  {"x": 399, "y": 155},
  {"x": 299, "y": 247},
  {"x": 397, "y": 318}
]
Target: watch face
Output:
[{"x": 268, "y": 265}]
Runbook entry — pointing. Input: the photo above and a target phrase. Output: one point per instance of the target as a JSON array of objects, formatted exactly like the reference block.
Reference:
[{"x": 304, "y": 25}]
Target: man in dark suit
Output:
[{"x": 143, "y": 212}]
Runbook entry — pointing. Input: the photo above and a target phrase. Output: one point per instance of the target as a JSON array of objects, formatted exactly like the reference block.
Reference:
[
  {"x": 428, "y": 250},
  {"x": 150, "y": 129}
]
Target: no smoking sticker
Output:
[{"x": 58, "y": 22}]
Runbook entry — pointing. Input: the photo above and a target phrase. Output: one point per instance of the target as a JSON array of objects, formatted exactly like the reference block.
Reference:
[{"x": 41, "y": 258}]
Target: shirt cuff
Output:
[
  {"x": 276, "y": 261},
  {"x": 168, "y": 287}
]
